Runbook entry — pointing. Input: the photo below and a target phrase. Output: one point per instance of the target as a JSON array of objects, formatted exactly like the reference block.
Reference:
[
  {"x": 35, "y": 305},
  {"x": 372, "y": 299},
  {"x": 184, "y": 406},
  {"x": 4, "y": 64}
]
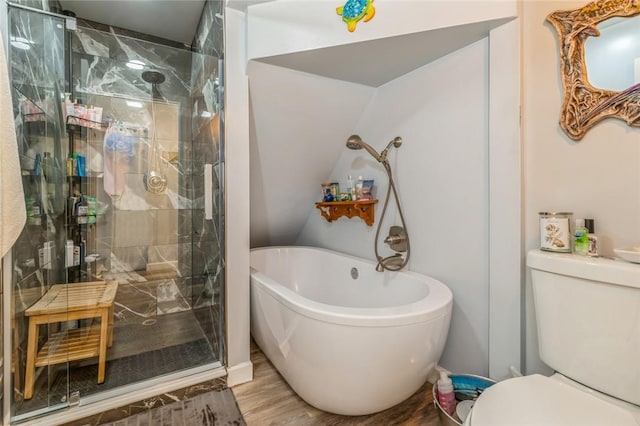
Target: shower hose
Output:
[{"x": 391, "y": 187}]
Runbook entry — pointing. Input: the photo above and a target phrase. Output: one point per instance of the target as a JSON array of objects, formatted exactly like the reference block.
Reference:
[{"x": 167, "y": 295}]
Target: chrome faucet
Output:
[{"x": 393, "y": 260}]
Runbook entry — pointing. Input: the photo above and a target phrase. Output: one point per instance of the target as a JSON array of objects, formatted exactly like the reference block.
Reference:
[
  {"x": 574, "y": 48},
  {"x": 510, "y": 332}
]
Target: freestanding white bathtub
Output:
[{"x": 346, "y": 345}]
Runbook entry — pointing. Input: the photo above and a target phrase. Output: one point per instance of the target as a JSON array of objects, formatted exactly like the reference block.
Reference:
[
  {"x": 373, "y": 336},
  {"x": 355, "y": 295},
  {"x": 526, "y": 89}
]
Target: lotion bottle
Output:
[{"x": 446, "y": 396}]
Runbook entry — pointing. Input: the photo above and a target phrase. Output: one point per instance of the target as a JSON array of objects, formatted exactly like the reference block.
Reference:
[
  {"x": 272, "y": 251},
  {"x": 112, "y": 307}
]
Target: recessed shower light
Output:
[{"x": 135, "y": 64}]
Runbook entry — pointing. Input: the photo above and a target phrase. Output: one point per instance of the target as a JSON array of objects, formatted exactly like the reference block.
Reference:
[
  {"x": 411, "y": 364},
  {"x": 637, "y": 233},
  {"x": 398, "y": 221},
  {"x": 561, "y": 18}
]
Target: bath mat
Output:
[{"x": 217, "y": 408}]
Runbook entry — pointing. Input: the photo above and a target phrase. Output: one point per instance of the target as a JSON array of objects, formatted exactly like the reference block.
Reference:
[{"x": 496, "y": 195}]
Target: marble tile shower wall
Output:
[
  {"x": 141, "y": 232},
  {"x": 100, "y": 55},
  {"x": 193, "y": 81}
]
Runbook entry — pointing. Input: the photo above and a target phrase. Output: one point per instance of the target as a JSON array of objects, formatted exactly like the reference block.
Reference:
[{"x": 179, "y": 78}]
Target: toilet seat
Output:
[{"x": 539, "y": 400}]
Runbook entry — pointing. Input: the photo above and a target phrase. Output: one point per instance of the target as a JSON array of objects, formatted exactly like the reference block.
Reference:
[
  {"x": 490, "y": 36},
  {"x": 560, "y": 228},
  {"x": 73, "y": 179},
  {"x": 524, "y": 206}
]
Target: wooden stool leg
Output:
[
  {"x": 15, "y": 360},
  {"x": 32, "y": 349},
  {"x": 111, "y": 321},
  {"x": 104, "y": 337}
]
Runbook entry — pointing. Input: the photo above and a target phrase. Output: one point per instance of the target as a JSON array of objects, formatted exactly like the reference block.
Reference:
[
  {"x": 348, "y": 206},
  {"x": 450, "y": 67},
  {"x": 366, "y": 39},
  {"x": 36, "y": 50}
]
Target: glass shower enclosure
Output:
[{"x": 117, "y": 277}]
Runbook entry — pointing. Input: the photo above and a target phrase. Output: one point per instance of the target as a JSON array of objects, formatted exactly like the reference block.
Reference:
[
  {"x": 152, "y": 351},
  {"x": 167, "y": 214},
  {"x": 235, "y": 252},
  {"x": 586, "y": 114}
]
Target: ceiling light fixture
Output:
[{"x": 135, "y": 64}]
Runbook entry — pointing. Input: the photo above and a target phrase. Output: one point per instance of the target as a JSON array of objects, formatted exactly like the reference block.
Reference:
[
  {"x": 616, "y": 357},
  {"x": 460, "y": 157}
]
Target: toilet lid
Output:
[{"x": 538, "y": 400}]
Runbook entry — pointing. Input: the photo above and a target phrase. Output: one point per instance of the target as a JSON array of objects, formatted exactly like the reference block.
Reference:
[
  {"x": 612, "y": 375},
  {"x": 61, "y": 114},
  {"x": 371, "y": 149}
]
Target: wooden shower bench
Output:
[{"x": 68, "y": 302}]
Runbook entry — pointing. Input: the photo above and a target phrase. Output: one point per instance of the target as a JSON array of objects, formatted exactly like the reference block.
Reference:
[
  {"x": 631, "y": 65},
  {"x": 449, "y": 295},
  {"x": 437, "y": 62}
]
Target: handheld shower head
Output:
[{"x": 356, "y": 142}]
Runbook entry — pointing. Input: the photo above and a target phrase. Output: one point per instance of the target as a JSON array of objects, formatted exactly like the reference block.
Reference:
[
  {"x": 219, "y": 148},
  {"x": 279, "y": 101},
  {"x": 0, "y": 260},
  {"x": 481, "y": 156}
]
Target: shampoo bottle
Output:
[
  {"x": 446, "y": 396},
  {"x": 580, "y": 238},
  {"x": 359, "y": 184},
  {"x": 351, "y": 190}
]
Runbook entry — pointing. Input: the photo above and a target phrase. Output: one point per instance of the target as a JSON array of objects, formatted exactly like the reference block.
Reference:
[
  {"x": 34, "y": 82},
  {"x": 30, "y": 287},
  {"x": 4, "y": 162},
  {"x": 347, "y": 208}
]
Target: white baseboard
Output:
[{"x": 240, "y": 373}]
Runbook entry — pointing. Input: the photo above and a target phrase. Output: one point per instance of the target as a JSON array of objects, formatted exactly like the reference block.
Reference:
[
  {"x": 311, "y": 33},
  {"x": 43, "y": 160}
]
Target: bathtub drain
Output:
[{"x": 354, "y": 273}]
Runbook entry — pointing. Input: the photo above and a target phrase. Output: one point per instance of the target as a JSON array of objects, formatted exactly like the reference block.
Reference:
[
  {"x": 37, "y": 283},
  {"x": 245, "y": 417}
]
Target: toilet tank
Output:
[{"x": 588, "y": 318}]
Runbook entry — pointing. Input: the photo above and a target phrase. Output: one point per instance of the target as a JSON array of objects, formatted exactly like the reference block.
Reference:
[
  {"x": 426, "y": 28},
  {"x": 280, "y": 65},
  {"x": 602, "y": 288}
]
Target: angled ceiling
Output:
[
  {"x": 175, "y": 20},
  {"x": 376, "y": 62}
]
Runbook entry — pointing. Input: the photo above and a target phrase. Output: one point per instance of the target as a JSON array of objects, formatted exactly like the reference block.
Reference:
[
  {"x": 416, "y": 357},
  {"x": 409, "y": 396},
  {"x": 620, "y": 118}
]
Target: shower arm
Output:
[{"x": 397, "y": 141}]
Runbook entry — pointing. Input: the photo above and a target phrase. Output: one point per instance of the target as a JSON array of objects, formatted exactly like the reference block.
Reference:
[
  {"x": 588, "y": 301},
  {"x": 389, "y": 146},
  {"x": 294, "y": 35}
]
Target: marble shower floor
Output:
[{"x": 269, "y": 401}]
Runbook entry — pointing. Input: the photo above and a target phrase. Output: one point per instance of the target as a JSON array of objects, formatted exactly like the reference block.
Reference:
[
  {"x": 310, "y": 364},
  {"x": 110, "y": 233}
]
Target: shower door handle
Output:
[{"x": 208, "y": 191}]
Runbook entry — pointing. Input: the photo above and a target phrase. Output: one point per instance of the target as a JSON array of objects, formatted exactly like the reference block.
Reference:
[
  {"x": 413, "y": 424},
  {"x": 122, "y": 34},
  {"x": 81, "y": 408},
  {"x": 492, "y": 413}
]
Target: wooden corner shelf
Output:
[{"x": 332, "y": 210}]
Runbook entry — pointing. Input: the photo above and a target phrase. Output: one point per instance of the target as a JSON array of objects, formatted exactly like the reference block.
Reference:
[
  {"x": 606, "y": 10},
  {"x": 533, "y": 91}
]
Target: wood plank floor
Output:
[{"x": 269, "y": 401}]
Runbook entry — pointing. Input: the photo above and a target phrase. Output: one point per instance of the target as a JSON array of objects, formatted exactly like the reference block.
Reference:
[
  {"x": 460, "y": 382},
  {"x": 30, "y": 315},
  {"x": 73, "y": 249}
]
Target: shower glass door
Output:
[
  {"x": 39, "y": 359},
  {"x": 132, "y": 208}
]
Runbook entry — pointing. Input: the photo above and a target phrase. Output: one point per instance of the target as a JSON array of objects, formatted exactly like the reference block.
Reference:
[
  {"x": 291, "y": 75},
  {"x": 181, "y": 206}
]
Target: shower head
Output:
[
  {"x": 155, "y": 78},
  {"x": 356, "y": 142}
]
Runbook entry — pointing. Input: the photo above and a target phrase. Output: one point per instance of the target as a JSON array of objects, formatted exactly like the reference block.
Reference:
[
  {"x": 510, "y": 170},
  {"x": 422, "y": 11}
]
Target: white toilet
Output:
[{"x": 588, "y": 319}]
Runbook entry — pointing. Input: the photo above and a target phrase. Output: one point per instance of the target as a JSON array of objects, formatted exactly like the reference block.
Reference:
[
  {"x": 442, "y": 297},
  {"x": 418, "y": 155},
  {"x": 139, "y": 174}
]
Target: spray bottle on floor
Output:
[{"x": 446, "y": 396}]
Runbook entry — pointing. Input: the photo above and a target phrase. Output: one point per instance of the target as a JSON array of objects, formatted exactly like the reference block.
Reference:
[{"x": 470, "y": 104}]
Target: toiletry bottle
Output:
[
  {"x": 37, "y": 166},
  {"x": 68, "y": 106},
  {"x": 359, "y": 184},
  {"x": 351, "y": 190},
  {"x": 77, "y": 248},
  {"x": 446, "y": 396},
  {"x": 580, "y": 238},
  {"x": 69, "y": 165},
  {"x": 593, "y": 238},
  {"x": 68, "y": 254},
  {"x": 46, "y": 165},
  {"x": 49, "y": 254},
  {"x": 327, "y": 196},
  {"x": 40, "y": 250}
]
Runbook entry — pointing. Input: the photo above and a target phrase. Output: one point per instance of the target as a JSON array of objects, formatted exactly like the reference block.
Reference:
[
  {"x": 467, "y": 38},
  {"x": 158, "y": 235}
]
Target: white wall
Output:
[
  {"x": 236, "y": 200},
  {"x": 299, "y": 124},
  {"x": 442, "y": 178},
  {"x": 598, "y": 177}
]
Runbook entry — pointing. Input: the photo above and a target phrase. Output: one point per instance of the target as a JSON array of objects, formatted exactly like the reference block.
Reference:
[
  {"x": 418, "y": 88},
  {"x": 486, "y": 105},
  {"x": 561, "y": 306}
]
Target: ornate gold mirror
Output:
[{"x": 584, "y": 104}]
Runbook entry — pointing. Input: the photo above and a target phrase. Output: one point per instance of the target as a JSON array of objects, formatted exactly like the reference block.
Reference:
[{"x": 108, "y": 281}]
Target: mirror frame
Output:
[{"x": 584, "y": 105}]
